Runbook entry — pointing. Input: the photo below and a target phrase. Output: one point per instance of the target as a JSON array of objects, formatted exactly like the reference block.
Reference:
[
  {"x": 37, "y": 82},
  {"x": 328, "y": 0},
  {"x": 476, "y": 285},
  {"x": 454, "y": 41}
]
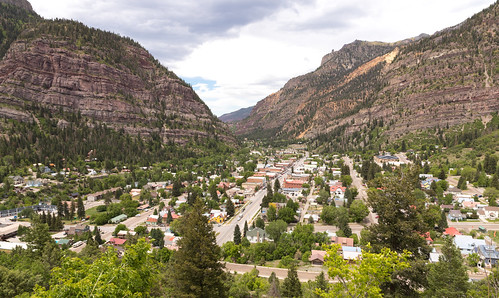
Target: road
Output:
[
  {"x": 468, "y": 226},
  {"x": 281, "y": 273},
  {"x": 225, "y": 232},
  {"x": 453, "y": 180},
  {"x": 357, "y": 182}
]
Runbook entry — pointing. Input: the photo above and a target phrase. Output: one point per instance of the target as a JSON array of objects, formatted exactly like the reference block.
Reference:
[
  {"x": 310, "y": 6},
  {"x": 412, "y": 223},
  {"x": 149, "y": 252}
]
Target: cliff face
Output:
[
  {"x": 66, "y": 66},
  {"x": 448, "y": 78}
]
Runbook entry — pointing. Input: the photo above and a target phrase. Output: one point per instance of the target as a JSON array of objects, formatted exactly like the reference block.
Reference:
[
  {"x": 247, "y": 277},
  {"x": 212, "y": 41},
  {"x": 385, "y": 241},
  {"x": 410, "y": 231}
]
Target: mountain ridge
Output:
[
  {"x": 454, "y": 67},
  {"x": 67, "y": 66}
]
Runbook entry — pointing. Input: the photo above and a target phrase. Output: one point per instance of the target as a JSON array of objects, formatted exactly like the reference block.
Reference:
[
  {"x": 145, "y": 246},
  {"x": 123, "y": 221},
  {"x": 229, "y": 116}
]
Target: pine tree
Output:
[
  {"x": 448, "y": 277},
  {"x": 196, "y": 270},
  {"x": 66, "y": 211},
  {"x": 270, "y": 193},
  {"x": 274, "y": 290},
  {"x": 245, "y": 230},
  {"x": 349, "y": 197},
  {"x": 237, "y": 235},
  {"x": 229, "y": 207},
  {"x": 442, "y": 225},
  {"x": 321, "y": 282},
  {"x": 60, "y": 209},
  {"x": 49, "y": 220},
  {"x": 277, "y": 185},
  {"x": 43, "y": 217},
  {"x": 291, "y": 286},
  {"x": 72, "y": 210},
  {"x": 58, "y": 224},
  {"x": 81, "y": 208},
  {"x": 169, "y": 217}
]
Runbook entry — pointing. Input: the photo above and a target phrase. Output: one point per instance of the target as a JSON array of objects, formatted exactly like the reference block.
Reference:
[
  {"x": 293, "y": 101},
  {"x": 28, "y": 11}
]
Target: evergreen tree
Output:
[
  {"x": 270, "y": 193},
  {"x": 291, "y": 287},
  {"x": 81, "y": 208},
  {"x": 43, "y": 217},
  {"x": 442, "y": 175},
  {"x": 277, "y": 185},
  {"x": 177, "y": 185},
  {"x": 97, "y": 236},
  {"x": 237, "y": 235},
  {"x": 448, "y": 277},
  {"x": 274, "y": 290},
  {"x": 349, "y": 197},
  {"x": 245, "y": 230},
  {"x": 461, "y": 184},
  {"x": 229, "y": 207},
  {"x": 253, "y": 225},
  {"x": 442, "y": 225},
  {"x": 169, "y": 217},
  {"x": 72, "y": 210},
  {"x": 49, "y": 220},
  {"x": 196, "y": 270},
  {"x": 60, "y": 209},
  {"x": 58, "y": 224},
  {"x": 66, "y": 210},
  {"x": 321, "y": 282}
]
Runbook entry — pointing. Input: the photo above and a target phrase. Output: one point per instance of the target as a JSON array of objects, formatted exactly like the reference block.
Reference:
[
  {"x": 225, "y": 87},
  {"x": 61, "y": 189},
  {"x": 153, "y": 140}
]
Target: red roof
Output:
[
  {"x": 333, "y": 188},
  {"x": 451, "y": 231},
  {"x": 292, "y": 184},
  {"x": 117, "y": 241}
]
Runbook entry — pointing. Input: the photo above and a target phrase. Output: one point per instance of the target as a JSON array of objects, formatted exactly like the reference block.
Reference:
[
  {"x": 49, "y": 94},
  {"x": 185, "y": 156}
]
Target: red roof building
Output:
[
  {"x": 451, "y": 231},
  {"x": 292, "y": 184},
  {"x": 117, "y": 241}
]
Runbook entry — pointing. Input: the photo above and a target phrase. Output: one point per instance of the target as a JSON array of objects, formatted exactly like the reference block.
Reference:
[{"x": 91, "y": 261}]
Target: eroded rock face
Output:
[
  {"x": 60, "y": 75},
  {"x": 429, "y": 81}
]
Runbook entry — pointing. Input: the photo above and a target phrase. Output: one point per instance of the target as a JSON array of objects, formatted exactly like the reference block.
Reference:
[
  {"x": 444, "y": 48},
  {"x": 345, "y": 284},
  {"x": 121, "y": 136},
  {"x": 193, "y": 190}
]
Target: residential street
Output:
[{"x": 281, "y": 273}]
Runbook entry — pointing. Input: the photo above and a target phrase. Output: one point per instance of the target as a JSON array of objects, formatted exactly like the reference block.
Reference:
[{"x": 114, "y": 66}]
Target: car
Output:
[{"x": 138, "y": 214}]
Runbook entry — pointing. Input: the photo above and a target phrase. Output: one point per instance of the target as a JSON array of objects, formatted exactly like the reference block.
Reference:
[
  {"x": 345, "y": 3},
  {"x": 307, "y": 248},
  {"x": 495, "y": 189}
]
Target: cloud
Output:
[{"x": 235, "y": 53}]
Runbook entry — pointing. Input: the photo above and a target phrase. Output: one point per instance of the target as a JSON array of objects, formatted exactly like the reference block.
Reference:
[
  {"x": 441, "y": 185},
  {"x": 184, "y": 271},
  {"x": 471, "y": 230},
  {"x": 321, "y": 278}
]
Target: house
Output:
[
  {"x": 451, "y": 232},
  {"x": 470, "y": 205},
  {"x": 467, "y": 244},
  {"x": 448, "y": 207},
  {"x": 123, "y": 233},
  {"x": 337, "y": 191},
  {"x": 78, "y": 229},
  {"x": 118, "y": 219},
  {"x": 389, "y": 159},
  {"x": 117, "y": 241},
  {"x": 427, "y": 237},
  {"x": 488, "y": 255},
  {"x": 456, "y": 215},
  {"x": 17, "y": 180},
  {"x": 256, "y": 235},
  {"x": 152, "y": 220},
  {"x": 426, "y": 184},
  {"x": 315, "y": 217},
  {"x": 491, "y": 212},
  {"x": 343, "y": 241},
  {"x": 317, "y": 257},
  {"x": 34, "y": 183},
  {"x": 351, "y": 252}
]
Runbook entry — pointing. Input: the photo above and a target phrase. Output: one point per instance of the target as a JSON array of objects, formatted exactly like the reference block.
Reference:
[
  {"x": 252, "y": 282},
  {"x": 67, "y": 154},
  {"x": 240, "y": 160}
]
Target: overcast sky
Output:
[{"x": 236, "y": 52}]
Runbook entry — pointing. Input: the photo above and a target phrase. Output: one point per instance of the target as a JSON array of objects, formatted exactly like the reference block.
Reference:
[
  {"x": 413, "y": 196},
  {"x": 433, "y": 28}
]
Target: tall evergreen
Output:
[
  {"x": 196, "y": 270},
  {"x": 277, "y": 185},
  {"x": 229, "y": 207},
  {"x": 291, "y": 287},
  {"x": 169, "y": 217},
  {"x": 245, "y": 230},
  {"x": 72, "y": 210},
  {"x": 448, "y": 277},
  {"x": 237, "y": 235},
  {"x": 97, "y": 236},
  {"x": 274, "y": 290},
  {"x": 81, "y": 208}
]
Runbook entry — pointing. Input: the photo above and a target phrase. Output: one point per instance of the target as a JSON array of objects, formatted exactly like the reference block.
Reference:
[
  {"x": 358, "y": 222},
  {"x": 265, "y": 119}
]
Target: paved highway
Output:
[{"x": 225, "y": 232}]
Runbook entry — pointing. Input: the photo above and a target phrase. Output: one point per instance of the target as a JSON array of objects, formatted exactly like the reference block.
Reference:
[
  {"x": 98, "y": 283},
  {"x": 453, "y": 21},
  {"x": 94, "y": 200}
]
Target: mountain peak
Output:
[{"x": 20, "y": 3}]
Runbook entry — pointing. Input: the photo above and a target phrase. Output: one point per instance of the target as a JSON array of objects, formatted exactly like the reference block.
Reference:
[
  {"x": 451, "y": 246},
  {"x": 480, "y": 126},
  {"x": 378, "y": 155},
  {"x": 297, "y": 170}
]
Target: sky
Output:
[{"x": 236, "y": 52}]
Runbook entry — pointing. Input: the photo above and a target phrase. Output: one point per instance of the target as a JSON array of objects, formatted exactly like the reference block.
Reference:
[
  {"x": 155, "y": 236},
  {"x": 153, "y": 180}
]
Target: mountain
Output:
[
  {"x": 236, "y": 116},
  {"x": 65, "y": 67},
  {"x": 448, "y": 78},
  {"x": 24, "y": 4}
]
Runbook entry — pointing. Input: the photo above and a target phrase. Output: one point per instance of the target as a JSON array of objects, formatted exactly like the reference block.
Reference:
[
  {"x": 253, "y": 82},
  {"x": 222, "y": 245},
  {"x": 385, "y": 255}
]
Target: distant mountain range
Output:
[
  {"x": 66, "y": 67},
  {"x": 445, "y": 79},
  {"x": 236, "y": 116}
]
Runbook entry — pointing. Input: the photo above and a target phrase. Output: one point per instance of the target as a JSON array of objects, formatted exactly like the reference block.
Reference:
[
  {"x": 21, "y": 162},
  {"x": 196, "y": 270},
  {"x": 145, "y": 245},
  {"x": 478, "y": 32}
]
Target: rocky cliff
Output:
[
  {"x": 445, "y": 79},
  {"x": 66, "y": 66},
  {"x": 24, "y": 4}
]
